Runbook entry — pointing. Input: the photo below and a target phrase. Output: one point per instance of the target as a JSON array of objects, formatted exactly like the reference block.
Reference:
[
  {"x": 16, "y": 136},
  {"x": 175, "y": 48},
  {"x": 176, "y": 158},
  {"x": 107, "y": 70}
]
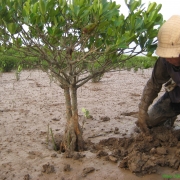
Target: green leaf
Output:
[
  {"x": 109, "y": 31},
  {"x": 50, "y": 30},
  {"x": 142, "y": 41},
  {"x": 55, "y": 21},
  {"x": 158, "y": 8},
  {"x": 152, "y": 34},
  {"x": 35, "y": 8},
  {"x": 61, "y": 21},
  {"x": 26, "y": 10},
  {"x": 42, "y": 7},
  {"x": 151, "y": 7},
  {"x": 26, "y": 20},
  {"x": 11, "y": 28},
  {"x": 134, "y": 6},
  {"x": 139, "y": 23},
  {"x": 153, "y": 16},
  {"x": 18, "y": 42},
  {"x": 131, "y": 38}
]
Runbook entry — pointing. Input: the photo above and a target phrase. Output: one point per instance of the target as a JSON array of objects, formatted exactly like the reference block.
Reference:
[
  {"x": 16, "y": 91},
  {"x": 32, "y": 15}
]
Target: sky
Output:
[{"x": 169, "y": 7}]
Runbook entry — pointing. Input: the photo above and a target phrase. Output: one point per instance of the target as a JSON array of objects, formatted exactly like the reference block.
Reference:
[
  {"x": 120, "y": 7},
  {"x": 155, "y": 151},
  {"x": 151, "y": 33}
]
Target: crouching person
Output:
[{"x": 166, "y": 72}]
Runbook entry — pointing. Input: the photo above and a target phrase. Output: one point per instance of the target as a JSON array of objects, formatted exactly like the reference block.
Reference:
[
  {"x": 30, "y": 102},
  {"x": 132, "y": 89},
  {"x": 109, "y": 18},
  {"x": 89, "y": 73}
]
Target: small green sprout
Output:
[
  {"x": 86, "y": 112},
  {"x": 18, "y": 71}
]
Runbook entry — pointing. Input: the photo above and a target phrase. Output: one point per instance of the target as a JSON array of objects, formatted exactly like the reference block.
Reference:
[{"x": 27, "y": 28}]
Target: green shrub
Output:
[
  {"x": 10, "y": 60},
  {"x": 7, "y": 63},
  {"x": 138, "y": 62},
  {"x": 30, "y": 63}
]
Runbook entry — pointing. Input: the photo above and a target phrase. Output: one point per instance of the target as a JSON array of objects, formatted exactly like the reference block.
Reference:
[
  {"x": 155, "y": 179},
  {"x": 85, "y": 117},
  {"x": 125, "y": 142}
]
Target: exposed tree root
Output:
[{"x": 72, "y": 140}]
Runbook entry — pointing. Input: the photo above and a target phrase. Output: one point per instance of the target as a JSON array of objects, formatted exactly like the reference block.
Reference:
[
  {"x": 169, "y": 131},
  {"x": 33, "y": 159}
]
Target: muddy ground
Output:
[{"x": 115, "y": 149}]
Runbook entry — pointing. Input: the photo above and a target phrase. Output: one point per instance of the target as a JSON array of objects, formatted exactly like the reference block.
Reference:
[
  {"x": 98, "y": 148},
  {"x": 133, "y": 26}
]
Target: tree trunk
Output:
[{"x": 73, "y": 140}]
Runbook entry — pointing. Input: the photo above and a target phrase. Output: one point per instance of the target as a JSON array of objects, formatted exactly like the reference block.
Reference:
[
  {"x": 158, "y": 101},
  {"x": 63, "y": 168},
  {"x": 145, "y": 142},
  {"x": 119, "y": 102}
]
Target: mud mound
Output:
[{"x": 143, "y": 154}]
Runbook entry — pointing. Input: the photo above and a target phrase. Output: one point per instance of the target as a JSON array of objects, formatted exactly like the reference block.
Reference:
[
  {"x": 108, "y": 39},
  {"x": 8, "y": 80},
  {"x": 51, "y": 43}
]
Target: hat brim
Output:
[{"x": 167, "y": 52}]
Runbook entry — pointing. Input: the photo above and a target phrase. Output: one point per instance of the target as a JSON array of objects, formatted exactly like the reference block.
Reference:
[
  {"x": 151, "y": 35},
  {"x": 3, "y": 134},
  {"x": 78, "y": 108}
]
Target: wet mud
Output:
[{"x": 143, "y": 154}]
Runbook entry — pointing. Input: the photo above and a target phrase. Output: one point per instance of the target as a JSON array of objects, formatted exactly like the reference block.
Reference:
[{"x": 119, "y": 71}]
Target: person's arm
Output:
[{"x": 150, "y": 92}]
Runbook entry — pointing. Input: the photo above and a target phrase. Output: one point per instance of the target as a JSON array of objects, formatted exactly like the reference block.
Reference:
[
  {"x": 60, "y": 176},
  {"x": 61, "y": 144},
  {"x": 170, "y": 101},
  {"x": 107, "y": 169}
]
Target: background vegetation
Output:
[{"x": 11, "y": 61}]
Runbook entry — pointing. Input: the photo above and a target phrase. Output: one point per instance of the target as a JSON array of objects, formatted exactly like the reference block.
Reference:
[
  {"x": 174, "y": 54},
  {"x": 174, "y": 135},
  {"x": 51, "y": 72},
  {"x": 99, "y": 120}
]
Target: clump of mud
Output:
[{"x": 143, "y": 154}]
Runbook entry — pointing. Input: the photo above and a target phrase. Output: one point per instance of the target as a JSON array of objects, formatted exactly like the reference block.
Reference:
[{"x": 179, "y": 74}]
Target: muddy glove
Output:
[
  {"x": 142, "y": 121},
  {"x": 149, "y": 94}
]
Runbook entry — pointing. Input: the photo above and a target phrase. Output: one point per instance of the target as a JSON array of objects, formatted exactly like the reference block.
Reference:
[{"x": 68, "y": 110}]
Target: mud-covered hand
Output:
[{"x": 142, "y": 121}]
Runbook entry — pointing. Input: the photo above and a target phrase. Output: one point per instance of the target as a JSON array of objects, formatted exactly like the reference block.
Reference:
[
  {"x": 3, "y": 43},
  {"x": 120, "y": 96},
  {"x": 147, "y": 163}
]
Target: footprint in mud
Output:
[
  {"x": 67, "y": 167},
  {"x": 105, "y": 118},
  {"x": 47, "y": 168},
  {"x": 27, "y": 177},
  {"x": 87, "y": 170},
  {"x": 34, "y": 154}
]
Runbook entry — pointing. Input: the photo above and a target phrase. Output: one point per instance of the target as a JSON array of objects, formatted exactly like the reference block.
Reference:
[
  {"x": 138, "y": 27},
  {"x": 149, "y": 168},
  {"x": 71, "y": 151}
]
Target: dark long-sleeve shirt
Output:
[
  {"x": 162, "y": 72},
  {"x": 175, "y": 75}
]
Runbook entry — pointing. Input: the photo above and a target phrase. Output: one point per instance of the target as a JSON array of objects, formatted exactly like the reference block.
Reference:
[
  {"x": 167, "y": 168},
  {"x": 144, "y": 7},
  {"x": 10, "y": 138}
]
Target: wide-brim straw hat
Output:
[{"x": 169, "y": 38}]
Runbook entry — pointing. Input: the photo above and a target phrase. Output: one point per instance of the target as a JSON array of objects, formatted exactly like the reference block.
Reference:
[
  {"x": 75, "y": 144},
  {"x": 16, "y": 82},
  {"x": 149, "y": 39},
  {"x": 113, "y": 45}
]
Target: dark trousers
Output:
[{"x": 163, "y": 110}]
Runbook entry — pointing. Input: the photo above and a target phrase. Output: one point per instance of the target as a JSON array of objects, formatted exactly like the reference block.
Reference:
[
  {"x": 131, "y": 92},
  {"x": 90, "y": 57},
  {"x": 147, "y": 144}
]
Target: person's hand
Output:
[{"x": 142, "y": 121}]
